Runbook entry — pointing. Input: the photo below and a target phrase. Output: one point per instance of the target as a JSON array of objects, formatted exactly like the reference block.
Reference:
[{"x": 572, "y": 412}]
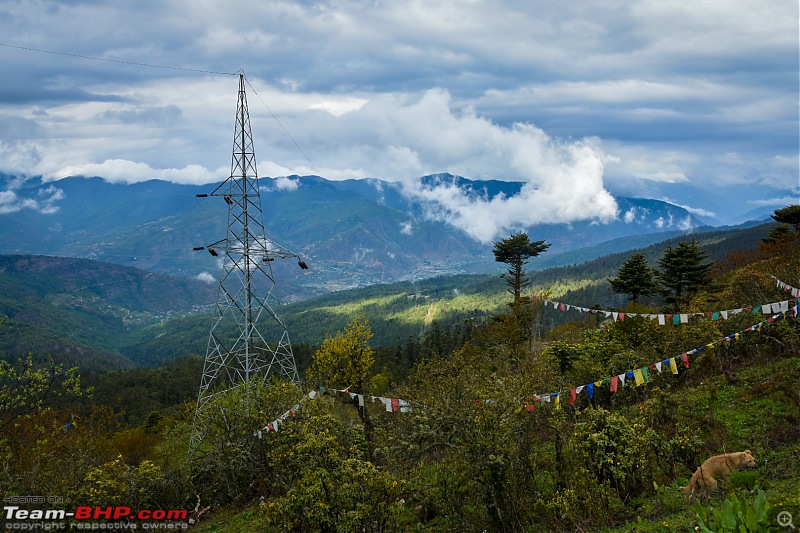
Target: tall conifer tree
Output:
[
  {"x": 683, "y": 270},
  {"x": 515, "y": 252},
  {"x": 635, "y": 278},
  {"x": 788, "y": 215}
]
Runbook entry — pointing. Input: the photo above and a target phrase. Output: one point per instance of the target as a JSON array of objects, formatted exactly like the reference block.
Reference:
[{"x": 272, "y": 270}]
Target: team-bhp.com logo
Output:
[{"x": 119, "y": 516}]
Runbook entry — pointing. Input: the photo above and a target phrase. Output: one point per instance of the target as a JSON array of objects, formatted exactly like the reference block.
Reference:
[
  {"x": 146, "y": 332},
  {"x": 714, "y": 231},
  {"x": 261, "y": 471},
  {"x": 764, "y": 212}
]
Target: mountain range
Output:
[
  {"x": 104, "y": 316},
  {"x": 352, "y": 233}
]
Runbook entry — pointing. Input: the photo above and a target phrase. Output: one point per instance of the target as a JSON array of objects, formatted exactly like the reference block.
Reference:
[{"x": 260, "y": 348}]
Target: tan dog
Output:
[{"x": 719, "y": 466}]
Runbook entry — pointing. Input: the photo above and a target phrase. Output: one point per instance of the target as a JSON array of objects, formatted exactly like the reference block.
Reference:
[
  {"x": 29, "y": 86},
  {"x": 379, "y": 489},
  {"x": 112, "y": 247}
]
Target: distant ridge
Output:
[{"x": 352, "y": 233}]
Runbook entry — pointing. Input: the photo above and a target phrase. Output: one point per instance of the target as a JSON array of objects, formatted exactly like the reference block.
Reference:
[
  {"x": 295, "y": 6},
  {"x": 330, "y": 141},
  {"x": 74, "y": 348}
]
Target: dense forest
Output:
[{"x": 501, "y": 417}]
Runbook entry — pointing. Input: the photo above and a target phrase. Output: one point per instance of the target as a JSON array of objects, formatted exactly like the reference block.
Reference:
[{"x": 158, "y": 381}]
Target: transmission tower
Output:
[{"x": 237, "y": 351}]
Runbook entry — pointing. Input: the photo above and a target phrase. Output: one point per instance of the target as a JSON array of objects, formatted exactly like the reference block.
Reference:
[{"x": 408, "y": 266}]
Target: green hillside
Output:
[
  {"x": 83, "y": 311},
  {"x": 492, "y": 433}
]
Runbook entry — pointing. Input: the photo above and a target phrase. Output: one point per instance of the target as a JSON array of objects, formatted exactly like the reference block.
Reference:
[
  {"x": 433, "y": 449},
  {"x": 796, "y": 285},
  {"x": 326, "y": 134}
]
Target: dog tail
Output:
[{"x": 688, "y": 488}]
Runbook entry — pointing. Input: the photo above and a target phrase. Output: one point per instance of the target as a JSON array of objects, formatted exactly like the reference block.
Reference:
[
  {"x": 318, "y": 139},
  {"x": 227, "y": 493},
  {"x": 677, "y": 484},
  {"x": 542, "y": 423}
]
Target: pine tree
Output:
[
  {"x": 777, "y": 234},
  {"x": 683, "y": 271},
  {"x": 789, "y": 215},
  {"x": 515, "y": 252},
  {"x": 635, "y": 278}
]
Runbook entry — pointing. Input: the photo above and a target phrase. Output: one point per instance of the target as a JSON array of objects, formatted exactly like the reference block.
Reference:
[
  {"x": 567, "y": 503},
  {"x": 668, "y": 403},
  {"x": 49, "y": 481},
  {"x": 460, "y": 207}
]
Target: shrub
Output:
[{"x": 614, "y": 450}]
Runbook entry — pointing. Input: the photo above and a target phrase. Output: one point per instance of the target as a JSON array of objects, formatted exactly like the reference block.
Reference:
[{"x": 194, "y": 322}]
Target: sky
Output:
[{"x": 690, "y": 102}]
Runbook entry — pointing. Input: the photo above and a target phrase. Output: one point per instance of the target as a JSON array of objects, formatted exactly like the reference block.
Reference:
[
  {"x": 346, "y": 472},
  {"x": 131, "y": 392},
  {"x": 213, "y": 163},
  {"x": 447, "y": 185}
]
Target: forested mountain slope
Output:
[
  {"x": 82, "y": 311},
  {"x": 94, "y": 310}
]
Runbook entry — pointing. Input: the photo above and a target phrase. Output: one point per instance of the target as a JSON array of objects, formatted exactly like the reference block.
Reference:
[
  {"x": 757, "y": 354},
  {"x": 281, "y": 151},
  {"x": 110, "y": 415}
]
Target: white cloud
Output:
[
  {"x": 646, "y": 163},
  {"x": 693, "y": 210},
  {"x": 782, "y": 172},
  {"x": 563, "y": 182},
  {"x": 206, "y": 277},
  {"x": 286, "y": 184},
  {"x": 668, "y": 90},
  {"x": 685, "y": 224},
  {"x": 400, "y": 137},
  {"x": 18, "y": 157},
  {"x": 122, "y": 171},
  {"x": 11, "y": 202},
  {"x": 339, "y": 106},
  {"x": 780, "y": 202}
]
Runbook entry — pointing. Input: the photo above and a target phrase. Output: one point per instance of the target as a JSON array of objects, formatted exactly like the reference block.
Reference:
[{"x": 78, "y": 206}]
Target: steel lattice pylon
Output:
[{"x": 237, "y": 351}]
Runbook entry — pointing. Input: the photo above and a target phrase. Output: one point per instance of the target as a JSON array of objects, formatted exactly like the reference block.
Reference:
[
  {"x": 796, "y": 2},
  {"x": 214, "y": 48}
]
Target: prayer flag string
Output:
[
  {"x": 767, "y": 309},
  {"x": 639, "y": 376},
  {"x": 642, "y": 375}
]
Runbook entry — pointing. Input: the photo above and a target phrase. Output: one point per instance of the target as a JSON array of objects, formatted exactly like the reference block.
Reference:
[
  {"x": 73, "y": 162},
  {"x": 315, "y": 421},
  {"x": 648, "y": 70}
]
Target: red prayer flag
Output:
[
  {"x": 614, "y": 383},
  {"x": 685, "y": 358}
]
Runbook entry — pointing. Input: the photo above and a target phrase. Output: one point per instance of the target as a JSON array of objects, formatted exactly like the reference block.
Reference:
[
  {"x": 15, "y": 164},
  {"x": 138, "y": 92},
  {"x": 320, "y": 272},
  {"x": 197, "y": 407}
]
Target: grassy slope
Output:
[
  {"x": 85, "y": 310},
  {"x": 759, "y": 412}
]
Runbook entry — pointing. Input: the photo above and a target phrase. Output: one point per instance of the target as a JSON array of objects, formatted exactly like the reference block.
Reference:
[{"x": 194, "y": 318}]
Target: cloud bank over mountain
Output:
[{"x": 696, "y": 102}]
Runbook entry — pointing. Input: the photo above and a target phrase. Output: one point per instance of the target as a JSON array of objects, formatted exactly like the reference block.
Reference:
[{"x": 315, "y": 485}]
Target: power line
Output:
[
  {"x": 310, "y": 162},
  {"x": 122, "y": 61},
  {"x": 186, "y": 69}
]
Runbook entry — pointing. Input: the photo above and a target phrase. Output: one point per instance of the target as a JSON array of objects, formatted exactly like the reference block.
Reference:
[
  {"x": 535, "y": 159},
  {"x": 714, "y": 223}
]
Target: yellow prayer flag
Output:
[
  {"x": 672, "y": 365},
  {"x": 637, "y": 375}
]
